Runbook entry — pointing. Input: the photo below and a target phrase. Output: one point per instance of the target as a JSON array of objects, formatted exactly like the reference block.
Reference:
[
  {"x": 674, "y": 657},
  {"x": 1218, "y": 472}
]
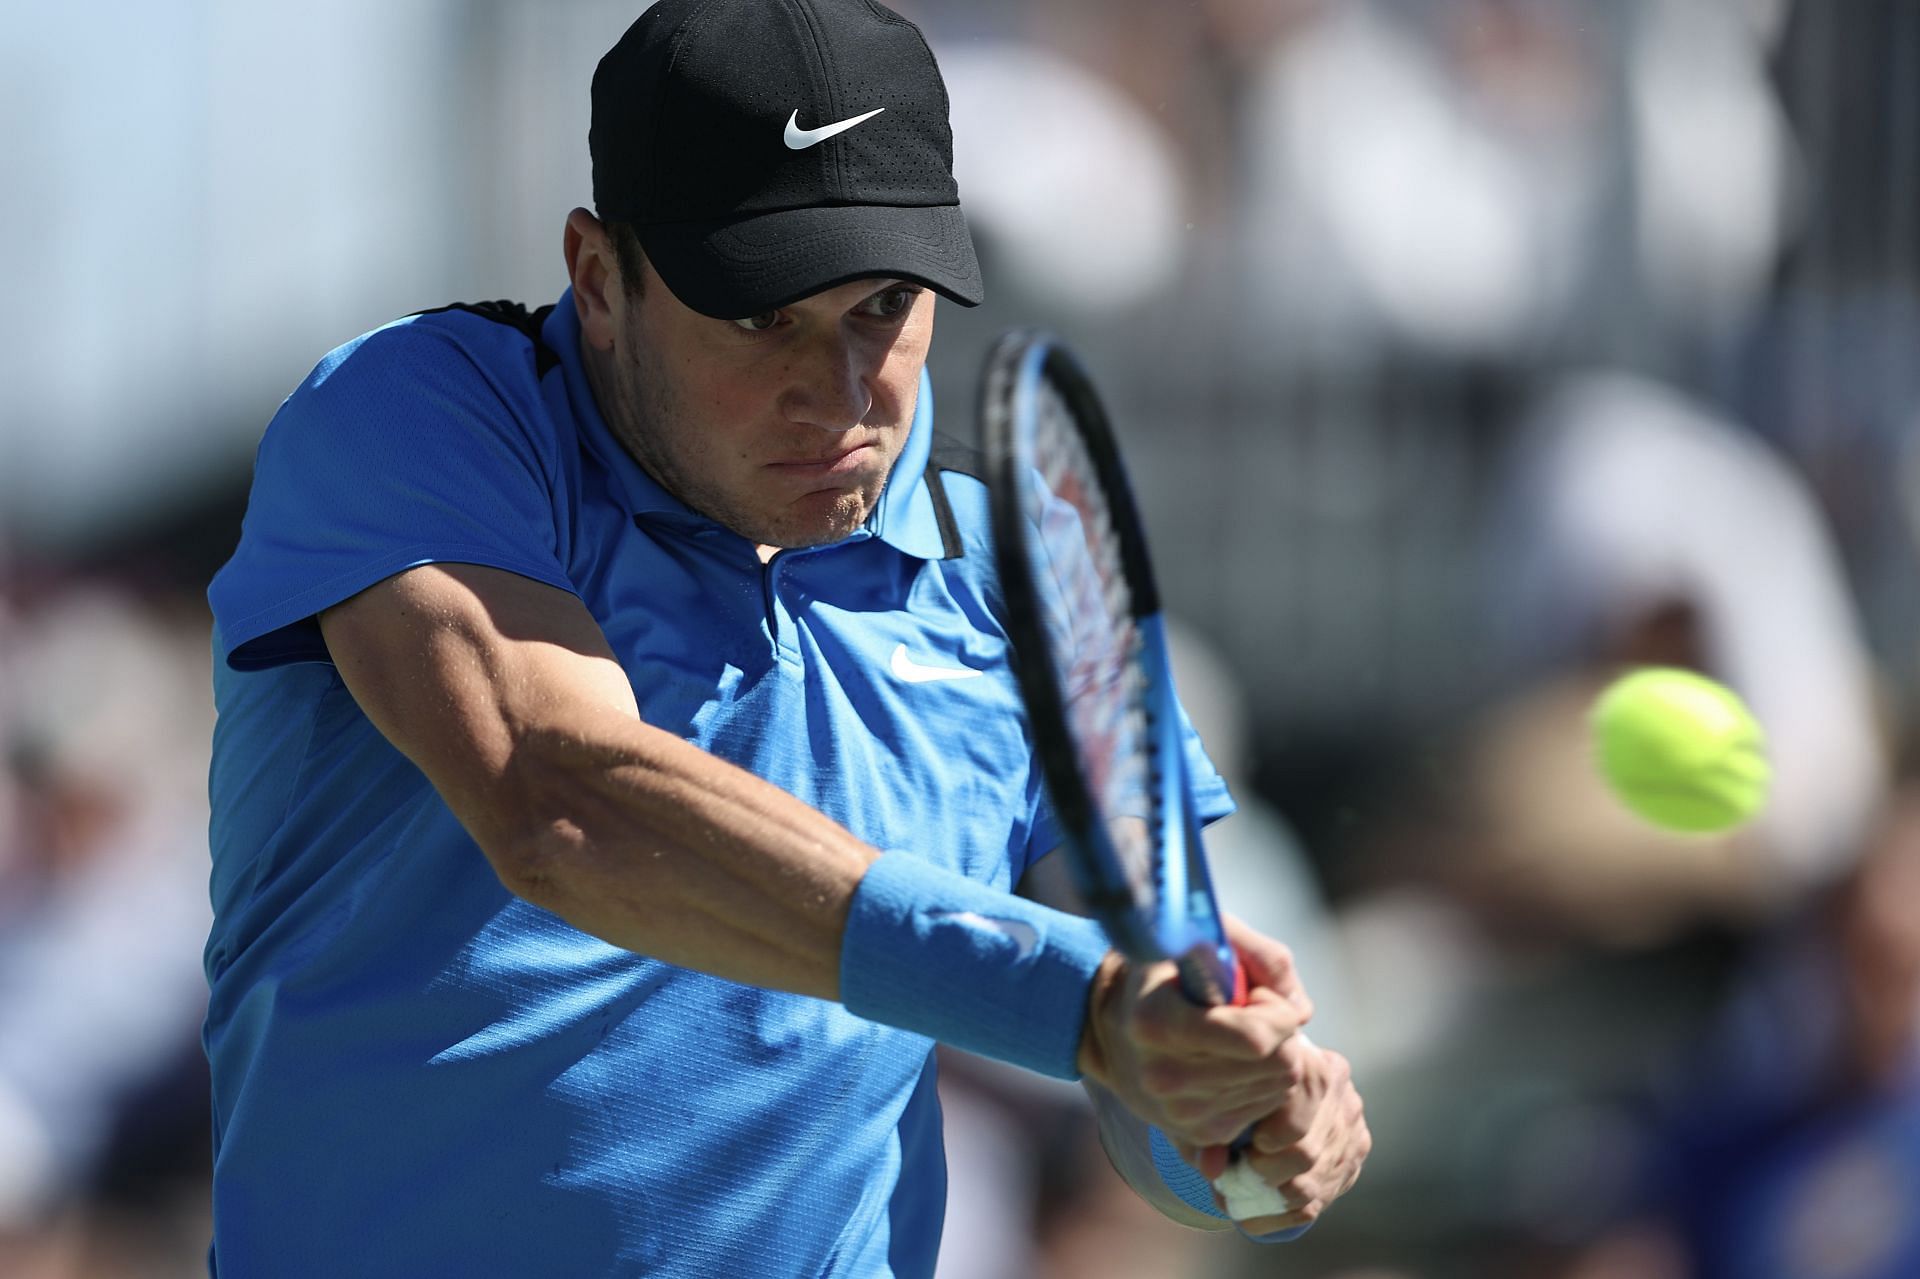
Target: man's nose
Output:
[{"x": 832, "y": 386}]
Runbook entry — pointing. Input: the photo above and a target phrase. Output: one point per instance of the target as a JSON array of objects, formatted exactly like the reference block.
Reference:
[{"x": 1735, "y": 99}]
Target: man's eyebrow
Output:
[{"x": 888, "y": 286}]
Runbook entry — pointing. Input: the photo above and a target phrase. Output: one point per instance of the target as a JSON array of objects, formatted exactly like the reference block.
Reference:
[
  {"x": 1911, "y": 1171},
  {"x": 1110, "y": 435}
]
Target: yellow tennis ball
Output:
[{"x": 1681, "y": 751}]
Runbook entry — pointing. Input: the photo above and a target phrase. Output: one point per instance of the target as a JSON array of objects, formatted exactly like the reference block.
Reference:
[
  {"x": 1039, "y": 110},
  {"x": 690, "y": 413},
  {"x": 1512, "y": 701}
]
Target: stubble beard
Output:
[{"x": 645, "y": 411}]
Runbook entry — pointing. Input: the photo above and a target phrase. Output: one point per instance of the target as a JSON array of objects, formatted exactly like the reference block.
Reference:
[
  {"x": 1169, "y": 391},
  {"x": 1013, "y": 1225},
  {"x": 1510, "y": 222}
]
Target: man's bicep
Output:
[{"x": 457, "y": 663}]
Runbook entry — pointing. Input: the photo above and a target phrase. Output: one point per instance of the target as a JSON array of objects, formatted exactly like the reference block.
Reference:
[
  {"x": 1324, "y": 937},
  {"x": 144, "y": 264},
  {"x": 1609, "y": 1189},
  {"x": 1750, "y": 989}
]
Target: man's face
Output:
[{"x": 783, "y": 426}]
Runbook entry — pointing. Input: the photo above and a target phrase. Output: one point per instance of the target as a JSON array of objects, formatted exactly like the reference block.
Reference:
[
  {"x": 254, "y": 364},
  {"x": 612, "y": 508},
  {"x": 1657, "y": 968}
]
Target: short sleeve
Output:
[
  {"x": 1211, "y": 798},
  {"x": 412, "y": 445}
]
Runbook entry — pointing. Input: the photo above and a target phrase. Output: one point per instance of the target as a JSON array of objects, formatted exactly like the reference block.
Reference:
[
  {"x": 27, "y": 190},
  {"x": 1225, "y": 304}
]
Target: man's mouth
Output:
[{"x": 843, "y": 461}]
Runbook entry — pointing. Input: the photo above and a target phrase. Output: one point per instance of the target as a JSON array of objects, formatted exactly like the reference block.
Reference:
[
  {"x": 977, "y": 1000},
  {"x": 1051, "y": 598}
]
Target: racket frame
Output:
[{"x": 1183, "y": 921}]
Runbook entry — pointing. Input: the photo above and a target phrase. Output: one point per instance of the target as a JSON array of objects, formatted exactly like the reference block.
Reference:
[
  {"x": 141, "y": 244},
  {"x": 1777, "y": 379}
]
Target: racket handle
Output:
[
  {"x": 1212, "y": 975},
  {"x": 1208, "y": 974}
]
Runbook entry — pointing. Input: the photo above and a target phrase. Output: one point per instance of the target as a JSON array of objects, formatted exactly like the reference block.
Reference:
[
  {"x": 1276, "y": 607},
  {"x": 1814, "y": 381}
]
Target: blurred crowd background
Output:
[{"x": 1466, "y": 352}]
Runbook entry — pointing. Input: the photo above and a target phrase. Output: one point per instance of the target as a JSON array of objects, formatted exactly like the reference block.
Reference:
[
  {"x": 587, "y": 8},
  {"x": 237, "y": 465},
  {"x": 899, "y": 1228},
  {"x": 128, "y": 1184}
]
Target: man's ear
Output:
[{"x": 595, "y": 273}]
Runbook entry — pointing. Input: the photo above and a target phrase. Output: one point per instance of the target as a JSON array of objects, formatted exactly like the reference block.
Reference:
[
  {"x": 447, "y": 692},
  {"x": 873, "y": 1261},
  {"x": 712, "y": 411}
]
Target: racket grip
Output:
[{"x": 1212, "y": 974}]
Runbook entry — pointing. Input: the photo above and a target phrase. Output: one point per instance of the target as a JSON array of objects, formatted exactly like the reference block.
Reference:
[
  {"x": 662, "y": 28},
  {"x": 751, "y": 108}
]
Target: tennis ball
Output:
[{"x": 1680, "y": 750}]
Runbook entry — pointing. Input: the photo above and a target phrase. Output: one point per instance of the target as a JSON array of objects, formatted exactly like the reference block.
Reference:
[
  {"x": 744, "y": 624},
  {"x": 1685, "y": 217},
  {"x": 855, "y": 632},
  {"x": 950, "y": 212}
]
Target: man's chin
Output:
[{"x": 818, "y": 520}]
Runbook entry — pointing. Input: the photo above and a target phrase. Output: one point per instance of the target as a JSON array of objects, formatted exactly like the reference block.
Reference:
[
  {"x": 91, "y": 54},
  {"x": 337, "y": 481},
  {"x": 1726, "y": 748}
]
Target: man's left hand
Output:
[{"x": 1310, "y": 1149}]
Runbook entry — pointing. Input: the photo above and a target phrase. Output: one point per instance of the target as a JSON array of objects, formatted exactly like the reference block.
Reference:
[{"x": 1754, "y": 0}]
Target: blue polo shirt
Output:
[{"x": 416, "y": 1073}]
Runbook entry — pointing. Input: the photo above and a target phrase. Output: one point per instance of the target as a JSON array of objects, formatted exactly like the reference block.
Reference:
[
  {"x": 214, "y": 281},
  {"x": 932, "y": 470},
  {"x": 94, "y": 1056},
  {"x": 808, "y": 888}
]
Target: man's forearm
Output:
[
  {"x": 651, "y": 843},
  {"x": 505, "y": 694}
]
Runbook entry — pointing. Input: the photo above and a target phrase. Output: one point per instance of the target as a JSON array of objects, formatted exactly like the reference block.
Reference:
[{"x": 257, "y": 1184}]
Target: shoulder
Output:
[
  {"x": 498, "y": 329},
  {"x": 497, "y": 340},
  {"x": 463, "y": 376},
  {"x": 428, "y": 439}
]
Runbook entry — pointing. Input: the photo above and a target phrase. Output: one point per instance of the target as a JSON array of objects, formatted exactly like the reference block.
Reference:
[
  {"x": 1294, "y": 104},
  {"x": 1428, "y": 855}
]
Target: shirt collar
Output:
[{"x": 904, "y": 517}]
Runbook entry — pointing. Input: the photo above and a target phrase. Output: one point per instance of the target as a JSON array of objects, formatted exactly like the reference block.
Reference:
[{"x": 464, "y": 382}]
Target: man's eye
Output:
[
  {"x": 892, "y": 302},
  {"x": 759, "y": 323}
]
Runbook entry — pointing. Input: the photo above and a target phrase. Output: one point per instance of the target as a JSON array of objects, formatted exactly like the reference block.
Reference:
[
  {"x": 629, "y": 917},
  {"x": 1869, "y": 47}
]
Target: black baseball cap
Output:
[{"x": 766, "y": 150}]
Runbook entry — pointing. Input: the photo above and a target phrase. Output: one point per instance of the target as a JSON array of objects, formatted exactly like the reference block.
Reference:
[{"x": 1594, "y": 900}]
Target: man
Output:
[{"x": 656, "y": 601}]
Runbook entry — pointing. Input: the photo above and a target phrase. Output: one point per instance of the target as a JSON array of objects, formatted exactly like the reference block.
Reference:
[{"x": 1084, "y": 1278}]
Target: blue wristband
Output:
[
  {"x": 929, "y": 950},
  {"x": 1184, "y": 1180}
]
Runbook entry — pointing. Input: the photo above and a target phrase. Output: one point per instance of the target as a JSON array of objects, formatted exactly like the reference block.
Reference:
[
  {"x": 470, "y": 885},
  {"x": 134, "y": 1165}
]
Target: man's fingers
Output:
[
  {"x": 1223, "y": 1079},
  {"x": 1246, "y": 1196},
  {"x": 1164, "y": 1022},
  {"x": 1312, "y": 1115},
  {"x": 1269, "y": 965},
  {"x": 1323, "y": 1162},
  {"x": 1290, "y": 1123},
  {"x": 1304, "y": 1215},
  {"x": 1211, "y": 1161},
  {"x": 1303, "y": 1154}
]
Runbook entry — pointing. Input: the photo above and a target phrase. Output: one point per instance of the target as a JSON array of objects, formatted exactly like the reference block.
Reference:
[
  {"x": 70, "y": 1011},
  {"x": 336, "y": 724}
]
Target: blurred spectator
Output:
[
  {"x": 103, "y": 1106},
  {"x": 1642, "y": 528},
  {"x": 1635, "y": 529},
  {"x": 1793, "y": 1149},
  {"x": 1528, "y": 956},
  {"x": 1494, "y": 178},
  {"x": 1072, "y": 187}
]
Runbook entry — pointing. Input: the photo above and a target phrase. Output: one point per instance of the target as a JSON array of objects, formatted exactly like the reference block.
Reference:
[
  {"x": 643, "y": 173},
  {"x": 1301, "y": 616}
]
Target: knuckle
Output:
[
  {"x": 1220, "y": 1132},
  {"x": 1187, "y": 1111},
  {"x": 1150, "y": 1030},
  {"x": 1271, "y": 1170},
  {"x": 1163, "y": 1078}
]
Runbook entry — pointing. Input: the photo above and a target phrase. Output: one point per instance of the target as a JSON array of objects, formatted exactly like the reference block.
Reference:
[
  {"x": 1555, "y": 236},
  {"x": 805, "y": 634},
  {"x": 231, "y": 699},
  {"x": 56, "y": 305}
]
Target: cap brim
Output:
[{"x": 735, "y": 269}]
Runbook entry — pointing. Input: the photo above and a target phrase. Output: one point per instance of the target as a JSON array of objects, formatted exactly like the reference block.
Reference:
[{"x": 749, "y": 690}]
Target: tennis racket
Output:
[
  {"x": 1083, "y": 616},
  {"x": 1090, "y": 653}
]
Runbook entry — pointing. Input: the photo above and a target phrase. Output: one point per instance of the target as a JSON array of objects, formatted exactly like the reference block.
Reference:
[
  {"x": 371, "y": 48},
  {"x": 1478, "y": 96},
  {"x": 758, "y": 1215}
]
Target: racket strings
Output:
[{"x": 1097, "y": 643}]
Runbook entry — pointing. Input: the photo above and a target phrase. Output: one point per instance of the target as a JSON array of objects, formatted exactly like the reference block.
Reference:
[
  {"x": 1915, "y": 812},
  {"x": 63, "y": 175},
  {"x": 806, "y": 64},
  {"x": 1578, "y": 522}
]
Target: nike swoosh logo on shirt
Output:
[
  {"x": 912, "y": 672},
  {"x": 799, "y": 139},
  {"x": 1022, "y": 934}
]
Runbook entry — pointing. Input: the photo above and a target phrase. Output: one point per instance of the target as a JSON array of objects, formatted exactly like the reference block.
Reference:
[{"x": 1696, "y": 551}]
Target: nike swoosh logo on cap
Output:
[
  {"x": 905, "y": 668},
  {"x": 799, "y": 139}
]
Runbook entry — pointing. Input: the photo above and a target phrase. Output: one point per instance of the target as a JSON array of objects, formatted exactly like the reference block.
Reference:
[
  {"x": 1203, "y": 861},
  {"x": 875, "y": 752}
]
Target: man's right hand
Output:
[
  {"x": 1206, "y": 1076},
  {"x": 1201, "y": 1075}
]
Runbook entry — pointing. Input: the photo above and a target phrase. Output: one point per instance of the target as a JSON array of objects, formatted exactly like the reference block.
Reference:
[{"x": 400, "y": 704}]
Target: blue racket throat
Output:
[{"x": 1186, "y": 918}]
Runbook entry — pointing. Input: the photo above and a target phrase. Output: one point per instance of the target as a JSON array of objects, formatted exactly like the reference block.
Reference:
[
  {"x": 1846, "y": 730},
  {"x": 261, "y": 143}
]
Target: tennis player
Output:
[{"x": 574, "y": 668}]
